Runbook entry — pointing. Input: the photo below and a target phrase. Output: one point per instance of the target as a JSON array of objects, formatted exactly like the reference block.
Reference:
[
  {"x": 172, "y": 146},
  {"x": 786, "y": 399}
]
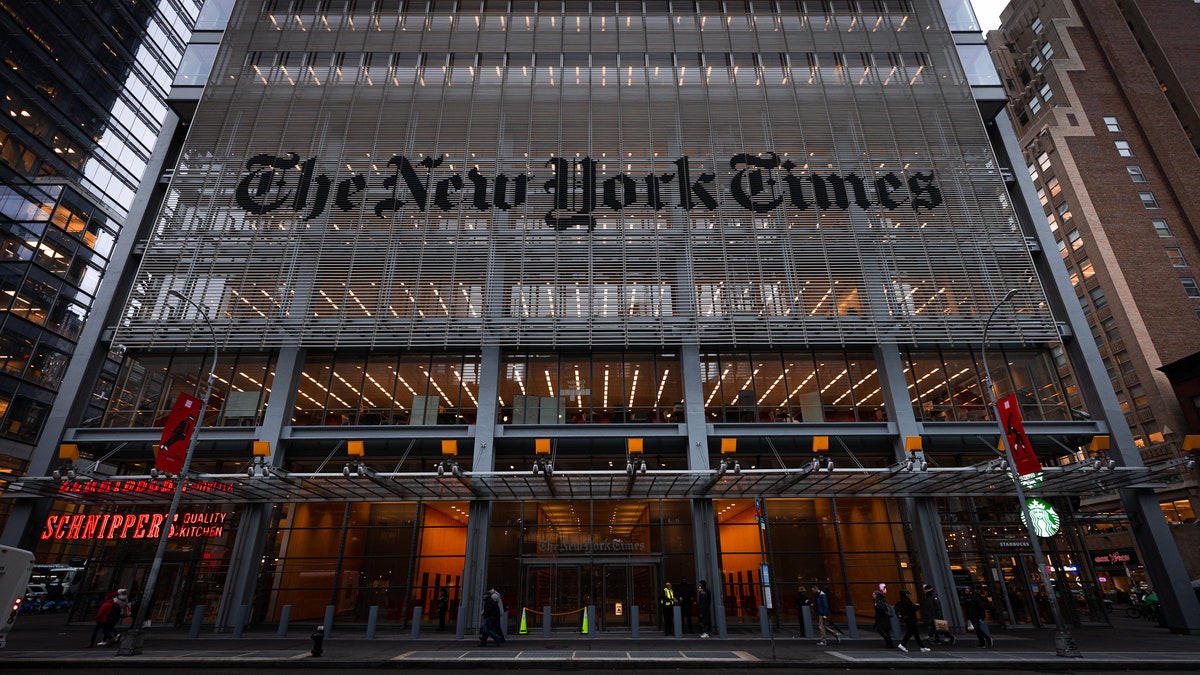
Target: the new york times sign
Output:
[{"x": 572, "y": 190}]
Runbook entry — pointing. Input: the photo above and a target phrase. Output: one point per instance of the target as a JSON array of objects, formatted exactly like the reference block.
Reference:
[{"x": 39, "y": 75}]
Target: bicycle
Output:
[{"x": 1142, "y": 611}]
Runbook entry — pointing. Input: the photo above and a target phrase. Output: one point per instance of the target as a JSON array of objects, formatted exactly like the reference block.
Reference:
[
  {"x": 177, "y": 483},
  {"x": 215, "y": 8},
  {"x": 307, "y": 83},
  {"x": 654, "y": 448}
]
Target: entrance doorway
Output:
[{"x": 613, "y": 586}]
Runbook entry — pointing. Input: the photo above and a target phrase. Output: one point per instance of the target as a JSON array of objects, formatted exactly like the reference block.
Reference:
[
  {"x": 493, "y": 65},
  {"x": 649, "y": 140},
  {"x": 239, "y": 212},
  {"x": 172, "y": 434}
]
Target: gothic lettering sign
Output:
[
  {"x": 71, "y": 527},
  {"x": 589, "y": 546},
  {"x": 573, "y": 190}
]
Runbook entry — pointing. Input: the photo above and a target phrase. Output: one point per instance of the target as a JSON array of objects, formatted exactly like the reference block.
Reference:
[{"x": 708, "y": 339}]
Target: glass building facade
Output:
[{"x": 596, "y": 295}]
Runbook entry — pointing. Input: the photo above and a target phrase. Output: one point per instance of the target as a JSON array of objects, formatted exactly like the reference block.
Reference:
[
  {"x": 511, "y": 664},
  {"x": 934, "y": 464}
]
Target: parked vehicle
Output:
[{"x": 15, "y": 567}]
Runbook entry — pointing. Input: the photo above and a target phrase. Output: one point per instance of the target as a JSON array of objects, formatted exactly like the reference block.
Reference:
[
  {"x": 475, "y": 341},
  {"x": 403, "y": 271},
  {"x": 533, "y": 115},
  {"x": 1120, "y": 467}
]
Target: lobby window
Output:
[
  {"x": 1175, "y": 255},
  {"x": 1135, "y": 173},
  {"x": 1148, "y": 200},
  {"x": 1190, "y": 287},
  {"x": 1123, "y": 148},
  {"x": 1162, "y": 229},
  {"x": 1113, "y": 125}
]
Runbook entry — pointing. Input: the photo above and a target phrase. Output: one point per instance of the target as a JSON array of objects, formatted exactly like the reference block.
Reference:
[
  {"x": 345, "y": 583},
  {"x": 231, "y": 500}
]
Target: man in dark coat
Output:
[
  {"x": 906, "y": 611},
  {"x": 883, "y": 618},
  {"x": 976, "y": 612},
  {"x": 704, "y": 605}
]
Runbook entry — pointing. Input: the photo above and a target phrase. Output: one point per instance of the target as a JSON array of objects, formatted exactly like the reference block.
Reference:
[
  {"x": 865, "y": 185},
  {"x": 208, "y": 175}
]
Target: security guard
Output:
[{"x": 668, "y": 602}]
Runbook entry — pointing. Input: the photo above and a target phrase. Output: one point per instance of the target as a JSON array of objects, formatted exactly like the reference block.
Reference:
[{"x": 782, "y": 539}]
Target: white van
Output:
[{"x": 15, "y": 568}]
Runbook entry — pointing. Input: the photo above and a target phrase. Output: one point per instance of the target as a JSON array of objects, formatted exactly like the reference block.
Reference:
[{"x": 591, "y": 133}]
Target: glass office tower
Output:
[
  {"x": 577, "y": 298},
  {"x": 84, "y": 100}
]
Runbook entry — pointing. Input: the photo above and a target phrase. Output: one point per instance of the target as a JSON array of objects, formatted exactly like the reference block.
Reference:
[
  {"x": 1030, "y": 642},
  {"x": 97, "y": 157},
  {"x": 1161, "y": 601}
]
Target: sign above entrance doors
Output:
[
  {"x": 132, "y": 526},
  {"x": 590, "y": 546}
]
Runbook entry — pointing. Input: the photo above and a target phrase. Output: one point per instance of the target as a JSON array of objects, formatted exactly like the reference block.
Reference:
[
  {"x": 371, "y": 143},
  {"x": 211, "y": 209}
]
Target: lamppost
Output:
[
  {"x": 132, "y": 642},
  {"x": 1064, "y": 645}
]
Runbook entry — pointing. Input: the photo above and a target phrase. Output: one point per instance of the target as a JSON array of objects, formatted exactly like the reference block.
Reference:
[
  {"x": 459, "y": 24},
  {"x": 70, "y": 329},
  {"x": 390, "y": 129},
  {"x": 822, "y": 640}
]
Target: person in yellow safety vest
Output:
[{"x": 668, "y": 603}]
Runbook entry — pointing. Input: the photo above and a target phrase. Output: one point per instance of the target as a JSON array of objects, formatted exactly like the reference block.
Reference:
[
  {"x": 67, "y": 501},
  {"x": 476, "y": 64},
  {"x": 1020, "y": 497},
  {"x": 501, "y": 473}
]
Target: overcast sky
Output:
[{"x": 988, "y": 12}]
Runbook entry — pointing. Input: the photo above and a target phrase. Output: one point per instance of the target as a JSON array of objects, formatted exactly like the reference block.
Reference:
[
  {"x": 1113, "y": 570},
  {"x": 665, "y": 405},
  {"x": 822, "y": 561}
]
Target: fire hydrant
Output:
[{"x": 318, "y": 638}]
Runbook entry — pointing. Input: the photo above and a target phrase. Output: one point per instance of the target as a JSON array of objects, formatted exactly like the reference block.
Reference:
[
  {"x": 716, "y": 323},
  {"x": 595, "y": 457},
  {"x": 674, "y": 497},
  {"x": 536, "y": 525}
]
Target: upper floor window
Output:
[
  {"x": 1112, "y": 124},
  {"x": 1135, "y": 173},
  {"x": 1161, "y": 228},
  {"x": 1036, "y": 64},
  {"x": 1047, "y": 51},
  {"x": 1035, "y": 105},
  {"x": 1046, "y": 92},
  {"x": 1175, "y": 255},
  {"x": 1123, "y": 149},
  {"x": 1044, "y": 160},
  {"x": 1075, "y": 239},
  {"x": 1037, "y": 25},
  {"x": 1190, "y": 287},
  {"x": 1148, "y": 200}
]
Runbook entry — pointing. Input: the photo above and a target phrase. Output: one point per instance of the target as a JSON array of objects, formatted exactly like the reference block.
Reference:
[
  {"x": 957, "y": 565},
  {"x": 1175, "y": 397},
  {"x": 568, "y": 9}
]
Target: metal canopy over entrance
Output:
[{"x": 1074, "y": 480}]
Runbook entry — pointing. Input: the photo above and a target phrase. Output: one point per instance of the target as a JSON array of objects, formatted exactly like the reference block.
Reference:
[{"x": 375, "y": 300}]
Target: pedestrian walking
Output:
[
  {"x": 883, "y": 618},
  {"x": 687, "y": 597},
  {"x": 668, "y": 600},
  {"x": 704, "y": 605},
  {"x": 908, "y": 612},
  {"x": 821, "y": 604},
  {"x": 443, "y": 605},
  {"x": 976, "y": 612},
  {"x": 491, "y": 619},
  {"x": 106, "y": 617},
  {"x": 935, "y": 622}
]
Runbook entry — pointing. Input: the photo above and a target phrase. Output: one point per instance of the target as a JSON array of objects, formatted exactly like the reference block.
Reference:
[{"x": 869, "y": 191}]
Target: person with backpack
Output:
[
  {"x": 907, "y": 611},
  {"x": 491, "y": 619},
  {"x": 883, "y": 619},
  {"x": 107, "y": 616}
]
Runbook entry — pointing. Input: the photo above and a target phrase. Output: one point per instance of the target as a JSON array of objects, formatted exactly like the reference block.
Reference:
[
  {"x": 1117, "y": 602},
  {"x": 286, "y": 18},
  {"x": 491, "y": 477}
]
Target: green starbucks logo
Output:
[{"x": 1045, "y": 518}]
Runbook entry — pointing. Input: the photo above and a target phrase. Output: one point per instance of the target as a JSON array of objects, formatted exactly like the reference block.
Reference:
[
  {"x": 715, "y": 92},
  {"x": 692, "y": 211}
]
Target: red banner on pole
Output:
[
  {"x": 177, "y": 434},
  {"x": 1023, "y": 455}
]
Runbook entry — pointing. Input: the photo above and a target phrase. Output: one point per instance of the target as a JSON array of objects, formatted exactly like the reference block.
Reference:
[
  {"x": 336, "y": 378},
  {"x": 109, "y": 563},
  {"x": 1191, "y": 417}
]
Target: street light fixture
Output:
[
  {"x": 131, "y": 644},
  {"x": 1063, "y": 643}
]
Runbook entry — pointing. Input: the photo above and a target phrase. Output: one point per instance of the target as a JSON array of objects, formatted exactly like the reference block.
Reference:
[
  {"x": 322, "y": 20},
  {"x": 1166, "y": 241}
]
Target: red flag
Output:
[
  {"x": 177, "y": 433},
  {"x": 1023, "y": 455}
]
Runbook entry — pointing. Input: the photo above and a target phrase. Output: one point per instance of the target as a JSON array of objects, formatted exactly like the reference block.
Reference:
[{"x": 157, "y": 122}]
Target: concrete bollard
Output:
[
  {"x": 764, "y": 622},
  {"x": 546, "y": 622},
  {"x": 372, "y": 621},
  {"x": 284, "y": 619},
  {"x": 197, "y": 619},
  {"x": 635, "y": 621},
  {"x": 418, "y": 611},
  {"x": 329, "y": 609},
  {"x": 806, "y": 620}
]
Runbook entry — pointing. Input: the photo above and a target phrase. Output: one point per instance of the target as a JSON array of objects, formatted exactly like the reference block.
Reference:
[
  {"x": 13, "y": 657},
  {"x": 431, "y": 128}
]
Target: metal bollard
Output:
[
  {"x": 329, "y": 609},
  {"x": 764, "y": 622},
  {"x": 806, "y": 620},
  {"x": 591, "y": 616},
  {"x": 197, "y": 619},
  {"x": 546, "y": 622},
  {"x": 372, "y": 620},
  {"x": 677, "y": 617},
  {"x": 418, "y": 611},
  {"x": 318, "y": 641},
  {"x": 851, "y": 622},
  {"x": 243, "y": 615},
  {"x": 284, "y": 619},
  {"x": 635, "y": 621}
]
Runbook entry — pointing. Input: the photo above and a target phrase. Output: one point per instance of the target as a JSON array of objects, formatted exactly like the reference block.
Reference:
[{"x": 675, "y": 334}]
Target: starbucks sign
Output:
[{"x": 1045, "y": 518}]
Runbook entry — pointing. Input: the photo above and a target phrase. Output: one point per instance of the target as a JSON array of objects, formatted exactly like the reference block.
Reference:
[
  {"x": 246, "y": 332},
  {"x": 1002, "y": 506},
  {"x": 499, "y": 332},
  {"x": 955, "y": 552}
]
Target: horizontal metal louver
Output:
[{"x": 798, "y": 180}]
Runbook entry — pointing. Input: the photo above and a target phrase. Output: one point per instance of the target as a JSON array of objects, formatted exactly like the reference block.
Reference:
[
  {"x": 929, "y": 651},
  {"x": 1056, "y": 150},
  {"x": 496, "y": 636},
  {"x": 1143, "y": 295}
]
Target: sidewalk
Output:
[{"x": 47, "y": 641}]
